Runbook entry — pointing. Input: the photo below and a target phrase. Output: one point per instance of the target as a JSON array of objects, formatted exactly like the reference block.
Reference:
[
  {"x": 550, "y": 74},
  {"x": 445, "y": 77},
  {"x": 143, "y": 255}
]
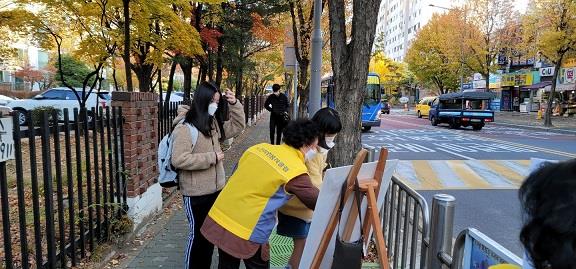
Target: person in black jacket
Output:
[{"x": 277, "y": 104}]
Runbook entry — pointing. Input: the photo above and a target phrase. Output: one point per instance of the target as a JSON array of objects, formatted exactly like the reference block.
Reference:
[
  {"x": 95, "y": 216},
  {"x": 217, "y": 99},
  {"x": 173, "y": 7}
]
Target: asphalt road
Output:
[{"x": 481, "y": 169}]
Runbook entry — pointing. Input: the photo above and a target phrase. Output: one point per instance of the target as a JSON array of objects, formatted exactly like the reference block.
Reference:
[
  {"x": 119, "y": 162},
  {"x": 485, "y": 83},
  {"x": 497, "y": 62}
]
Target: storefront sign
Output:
[
  {"x": 567, "y": 75},
  {"x": 495, "y": 81},
  {"x": 510, "y": 80},
  {"x": 478, "y": 76},
  {"x": 547, "y": 71},
  {"x": 479, "y": 84}
]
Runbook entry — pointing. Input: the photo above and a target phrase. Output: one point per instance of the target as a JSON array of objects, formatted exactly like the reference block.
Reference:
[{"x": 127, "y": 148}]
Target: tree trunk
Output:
[
  {"x": 239, "y": 82},
  {"x": 219, "y": 64},
  {"x": 350, "y": 67},
  {"x": 144, "y": 75},
  {"x": 171, "y": 85},
  {"x": 126, "y": 55},
  {"x": 548, "y": 115},
  {"x": 303, "y": 88},
  {"x": 210, "y": 66},
  {"x": 186, "y": 66}
]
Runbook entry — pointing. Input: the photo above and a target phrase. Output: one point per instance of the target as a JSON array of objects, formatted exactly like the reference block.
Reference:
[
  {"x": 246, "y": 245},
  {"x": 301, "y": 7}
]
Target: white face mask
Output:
[
  {"x": 310, "y": 154},
  {"x": 329, "y": 139},
  {"x": 212, "y": 107}
]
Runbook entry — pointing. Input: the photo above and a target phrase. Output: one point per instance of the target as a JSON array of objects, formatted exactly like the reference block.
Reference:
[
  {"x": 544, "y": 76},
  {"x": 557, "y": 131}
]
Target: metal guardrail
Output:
[
  {"x": 416, "y": 239},
  {"x": 406, "y": 225},
  {"x": 405, "y": 221}
]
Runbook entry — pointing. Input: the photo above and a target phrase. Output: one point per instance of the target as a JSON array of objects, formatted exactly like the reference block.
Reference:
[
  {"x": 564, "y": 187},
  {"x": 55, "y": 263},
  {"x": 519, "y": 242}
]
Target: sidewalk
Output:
[
  {"x": 567, "y": 124},
  {"x": 166, "y": 248}
]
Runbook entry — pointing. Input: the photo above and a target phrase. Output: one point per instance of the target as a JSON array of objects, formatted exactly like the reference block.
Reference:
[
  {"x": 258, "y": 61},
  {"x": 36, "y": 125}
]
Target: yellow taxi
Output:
[{"x": 423, "y": 107}]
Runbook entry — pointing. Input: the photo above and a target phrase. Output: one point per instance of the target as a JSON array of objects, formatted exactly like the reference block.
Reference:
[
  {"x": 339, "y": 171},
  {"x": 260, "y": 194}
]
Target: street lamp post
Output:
[
  {"x": 314, "y": 100},
  {"x": 461, "y": 48}
]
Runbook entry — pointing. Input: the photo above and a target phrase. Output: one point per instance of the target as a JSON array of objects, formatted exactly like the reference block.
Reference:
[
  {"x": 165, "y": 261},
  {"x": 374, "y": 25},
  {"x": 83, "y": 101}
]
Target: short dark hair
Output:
[
  {"x": 300, "y": 132},
  {"x": 328, "y": 122},
  {"x": 275, "y": 87},
  {"x": 549, "y": 202}
]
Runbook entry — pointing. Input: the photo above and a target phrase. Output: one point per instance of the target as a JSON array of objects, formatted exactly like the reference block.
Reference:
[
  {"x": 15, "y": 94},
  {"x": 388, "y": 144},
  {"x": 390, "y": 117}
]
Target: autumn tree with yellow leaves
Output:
[
  {"x": 435, "y": 56},
  {"x": 550, "y": 28}
]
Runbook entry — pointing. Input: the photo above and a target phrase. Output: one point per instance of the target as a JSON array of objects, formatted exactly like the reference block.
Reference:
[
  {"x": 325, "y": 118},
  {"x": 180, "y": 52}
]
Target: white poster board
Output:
[
  {"x": 329, "y": 199},
  {"x": 480, "y": 251}
]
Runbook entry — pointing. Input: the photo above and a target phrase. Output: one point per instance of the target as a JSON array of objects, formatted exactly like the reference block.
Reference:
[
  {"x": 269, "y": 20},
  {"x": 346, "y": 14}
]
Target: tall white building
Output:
[{"x": 400, "y": 20}]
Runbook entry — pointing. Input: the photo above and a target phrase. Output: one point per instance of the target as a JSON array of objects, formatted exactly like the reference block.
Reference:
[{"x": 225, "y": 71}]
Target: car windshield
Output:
[
  {"x": 451, "y": 104},
  {"x": 372, "y": 95}
]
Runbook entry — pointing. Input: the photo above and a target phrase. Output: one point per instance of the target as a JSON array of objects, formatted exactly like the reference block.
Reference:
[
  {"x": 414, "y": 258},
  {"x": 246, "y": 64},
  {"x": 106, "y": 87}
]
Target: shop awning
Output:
[{"x": 537, "y": 86}]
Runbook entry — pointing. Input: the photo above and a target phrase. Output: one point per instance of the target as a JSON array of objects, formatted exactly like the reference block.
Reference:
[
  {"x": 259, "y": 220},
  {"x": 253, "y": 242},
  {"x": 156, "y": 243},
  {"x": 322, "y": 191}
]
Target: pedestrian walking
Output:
[
  {"x": 294, "y": 217},
  {"x": 244, "y": 214},
  {"x": 199, "y": 165},
  {"x": 549, "y": 206},
  {"x": 277, "y": 104}
]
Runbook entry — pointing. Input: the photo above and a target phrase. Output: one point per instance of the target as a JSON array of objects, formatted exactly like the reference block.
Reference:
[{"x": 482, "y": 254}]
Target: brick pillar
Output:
[{"x": 140, "y": 111}]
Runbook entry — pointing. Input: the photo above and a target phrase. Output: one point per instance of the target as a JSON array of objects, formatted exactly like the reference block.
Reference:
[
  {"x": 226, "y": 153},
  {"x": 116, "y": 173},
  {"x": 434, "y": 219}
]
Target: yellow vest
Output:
[
  {"x": 248, "y": 203},
  {"x": 295, "y": 207}
]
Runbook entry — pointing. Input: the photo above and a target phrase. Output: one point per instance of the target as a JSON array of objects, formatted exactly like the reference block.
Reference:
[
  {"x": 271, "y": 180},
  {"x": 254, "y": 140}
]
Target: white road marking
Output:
[{"x": 456, "y": 154}]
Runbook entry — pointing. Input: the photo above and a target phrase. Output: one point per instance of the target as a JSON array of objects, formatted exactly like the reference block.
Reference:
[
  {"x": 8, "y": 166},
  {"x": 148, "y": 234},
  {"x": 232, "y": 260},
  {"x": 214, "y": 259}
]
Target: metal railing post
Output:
[
  {"x": 442, "y": 223},
  {"x": 371, "y": 157}
]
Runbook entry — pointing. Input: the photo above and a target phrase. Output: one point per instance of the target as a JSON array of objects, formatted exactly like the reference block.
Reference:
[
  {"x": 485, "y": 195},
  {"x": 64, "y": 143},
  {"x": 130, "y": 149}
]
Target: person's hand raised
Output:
[{"x": 230, "y": 97}]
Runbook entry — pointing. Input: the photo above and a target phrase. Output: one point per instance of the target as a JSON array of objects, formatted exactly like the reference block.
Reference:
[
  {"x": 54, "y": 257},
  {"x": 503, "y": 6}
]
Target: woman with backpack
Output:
[{"x": 217, "y": 117}]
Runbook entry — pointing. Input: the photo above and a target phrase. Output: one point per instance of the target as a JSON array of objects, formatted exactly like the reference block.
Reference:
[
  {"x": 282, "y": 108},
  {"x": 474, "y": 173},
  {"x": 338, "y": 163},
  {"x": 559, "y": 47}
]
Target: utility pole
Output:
[{"x": 315, "y": 76}]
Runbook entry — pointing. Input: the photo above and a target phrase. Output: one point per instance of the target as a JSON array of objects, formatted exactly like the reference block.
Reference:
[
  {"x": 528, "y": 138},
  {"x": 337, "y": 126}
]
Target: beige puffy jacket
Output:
[{"x": 199, "y": 172}]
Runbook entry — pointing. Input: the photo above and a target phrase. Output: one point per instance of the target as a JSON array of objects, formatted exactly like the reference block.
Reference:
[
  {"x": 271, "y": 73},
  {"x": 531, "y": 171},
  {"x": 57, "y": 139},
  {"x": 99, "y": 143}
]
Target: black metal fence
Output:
[
  {"x": 65, "y": 190},
  {"x": 252, "y": 106},
  {"x": 166, "y": 115}
]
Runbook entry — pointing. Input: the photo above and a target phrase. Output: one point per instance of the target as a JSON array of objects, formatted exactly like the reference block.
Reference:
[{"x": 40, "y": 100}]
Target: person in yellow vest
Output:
[
  {"x": 294, "y": 217},
  {"x": 244, "y": 214}
]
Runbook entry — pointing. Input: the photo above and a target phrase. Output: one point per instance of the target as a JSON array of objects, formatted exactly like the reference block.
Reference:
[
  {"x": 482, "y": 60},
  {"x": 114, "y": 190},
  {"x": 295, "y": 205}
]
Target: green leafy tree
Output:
[{"x": 73, "y": 70}]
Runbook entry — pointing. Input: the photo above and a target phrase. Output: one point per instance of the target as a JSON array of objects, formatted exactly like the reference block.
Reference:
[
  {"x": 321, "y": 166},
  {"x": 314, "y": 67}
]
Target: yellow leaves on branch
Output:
[
  {"x": 551, "y": 26},
  {"x": 388, "y": 70}
]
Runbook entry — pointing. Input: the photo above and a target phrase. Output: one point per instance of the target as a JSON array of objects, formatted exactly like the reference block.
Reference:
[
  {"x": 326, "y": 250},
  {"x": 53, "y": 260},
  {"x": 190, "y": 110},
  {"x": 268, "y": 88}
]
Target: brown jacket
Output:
[{"x": 199, "y": 173}]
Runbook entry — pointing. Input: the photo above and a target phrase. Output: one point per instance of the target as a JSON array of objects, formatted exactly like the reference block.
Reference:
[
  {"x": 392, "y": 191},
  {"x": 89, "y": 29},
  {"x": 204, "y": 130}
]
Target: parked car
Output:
[
  {"x": 462, "y": 109},
  {"x": 423, "y": 107},
  {"x": 4, "y": 100},
  {"x": 60, "y": 98},
  {"x": 385, "y": 107}
]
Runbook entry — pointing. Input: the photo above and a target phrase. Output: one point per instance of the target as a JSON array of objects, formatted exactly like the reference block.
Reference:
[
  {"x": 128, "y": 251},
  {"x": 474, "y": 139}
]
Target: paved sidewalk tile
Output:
[{"x": 166, "y": 249}]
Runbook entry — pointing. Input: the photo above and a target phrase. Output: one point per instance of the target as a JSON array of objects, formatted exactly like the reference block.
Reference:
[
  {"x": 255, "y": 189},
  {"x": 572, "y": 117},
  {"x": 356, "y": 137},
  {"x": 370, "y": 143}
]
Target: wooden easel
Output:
[{"x": 372, "y": 217}]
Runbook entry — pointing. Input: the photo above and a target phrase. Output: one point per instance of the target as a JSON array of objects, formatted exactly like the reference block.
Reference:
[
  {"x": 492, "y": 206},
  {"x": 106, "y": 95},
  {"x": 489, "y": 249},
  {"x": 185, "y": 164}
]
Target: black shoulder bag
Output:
[{"x": 348, "y": 255}]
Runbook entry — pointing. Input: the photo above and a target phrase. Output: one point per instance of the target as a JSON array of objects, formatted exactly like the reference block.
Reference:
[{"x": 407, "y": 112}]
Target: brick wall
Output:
[{"x": 140, "y": 111}]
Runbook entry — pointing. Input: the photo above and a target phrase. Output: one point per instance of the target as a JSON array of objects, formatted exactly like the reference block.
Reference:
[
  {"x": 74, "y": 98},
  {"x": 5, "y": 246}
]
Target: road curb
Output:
[{"x": 552, "y": 130}]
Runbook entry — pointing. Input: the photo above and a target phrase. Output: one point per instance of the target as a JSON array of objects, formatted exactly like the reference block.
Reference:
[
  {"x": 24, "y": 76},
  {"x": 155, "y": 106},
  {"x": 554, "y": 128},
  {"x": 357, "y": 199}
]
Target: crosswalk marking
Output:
[
  {"x": 463, "y": 171},
  {"x": 462, "y": 174},
  {"x": 505, "y": 171},
  {"x": 425, "y": 172}
]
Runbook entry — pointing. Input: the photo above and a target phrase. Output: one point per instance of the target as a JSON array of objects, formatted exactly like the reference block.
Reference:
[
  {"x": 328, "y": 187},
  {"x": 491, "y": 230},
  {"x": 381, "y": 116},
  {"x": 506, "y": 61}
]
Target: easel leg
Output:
[{"x": 378, "y": 234}]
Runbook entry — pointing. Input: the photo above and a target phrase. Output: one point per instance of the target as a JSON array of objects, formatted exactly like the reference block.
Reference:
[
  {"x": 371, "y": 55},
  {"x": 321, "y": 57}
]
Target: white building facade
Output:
[{"x": 400, "y": 20}]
